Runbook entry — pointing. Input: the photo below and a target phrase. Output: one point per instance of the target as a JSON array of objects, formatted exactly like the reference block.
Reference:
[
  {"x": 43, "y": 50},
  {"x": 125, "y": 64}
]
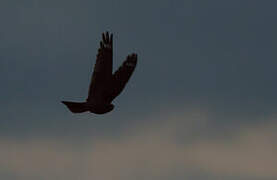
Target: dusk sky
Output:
[{"x": 201, "y": 104}]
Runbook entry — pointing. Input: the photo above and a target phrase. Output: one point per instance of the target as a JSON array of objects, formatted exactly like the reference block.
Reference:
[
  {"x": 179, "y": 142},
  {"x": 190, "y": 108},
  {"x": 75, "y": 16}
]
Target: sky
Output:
[{"x": 201, "y": 104}]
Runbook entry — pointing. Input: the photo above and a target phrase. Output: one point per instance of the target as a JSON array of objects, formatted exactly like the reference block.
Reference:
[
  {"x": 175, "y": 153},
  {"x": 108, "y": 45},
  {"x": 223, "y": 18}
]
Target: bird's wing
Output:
[
  {"x": 102, "y": 73},
  {"x": 122, "y": 75}
]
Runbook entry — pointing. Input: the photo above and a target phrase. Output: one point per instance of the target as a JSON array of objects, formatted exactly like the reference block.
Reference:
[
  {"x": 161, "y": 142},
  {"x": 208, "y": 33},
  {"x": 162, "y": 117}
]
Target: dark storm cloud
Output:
[{"x": 200, "y": 50}]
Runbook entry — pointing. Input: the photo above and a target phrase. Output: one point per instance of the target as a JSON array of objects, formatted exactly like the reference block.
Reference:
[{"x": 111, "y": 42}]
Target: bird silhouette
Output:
[{"x": 105, "y": 85}]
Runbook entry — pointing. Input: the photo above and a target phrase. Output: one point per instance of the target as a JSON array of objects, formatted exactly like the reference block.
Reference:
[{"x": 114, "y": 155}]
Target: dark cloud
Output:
[{"x": 220, "y": 54}]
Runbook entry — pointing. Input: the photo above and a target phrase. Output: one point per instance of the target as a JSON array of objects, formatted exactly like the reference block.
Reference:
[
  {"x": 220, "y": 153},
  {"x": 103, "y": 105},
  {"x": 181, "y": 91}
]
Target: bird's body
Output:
[{"x": 105, "y": 85}]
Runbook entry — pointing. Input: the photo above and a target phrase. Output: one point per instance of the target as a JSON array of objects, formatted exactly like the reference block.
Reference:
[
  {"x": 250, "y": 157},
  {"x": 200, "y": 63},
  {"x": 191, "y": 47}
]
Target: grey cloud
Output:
[
  {"x": 216, "y": 56},
  {"x": 149, "y": 151}
]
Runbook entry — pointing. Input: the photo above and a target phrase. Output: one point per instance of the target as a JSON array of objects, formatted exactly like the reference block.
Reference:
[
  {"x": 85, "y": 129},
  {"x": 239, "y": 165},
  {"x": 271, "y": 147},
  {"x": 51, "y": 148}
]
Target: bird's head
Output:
[
  {"x": 110, "y": 107},
  {"x": 102, "y": 109}
]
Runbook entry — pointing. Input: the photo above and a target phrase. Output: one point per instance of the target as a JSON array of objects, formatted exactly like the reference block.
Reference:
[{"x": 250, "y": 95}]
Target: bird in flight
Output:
[{"x": 105, "y": 85}]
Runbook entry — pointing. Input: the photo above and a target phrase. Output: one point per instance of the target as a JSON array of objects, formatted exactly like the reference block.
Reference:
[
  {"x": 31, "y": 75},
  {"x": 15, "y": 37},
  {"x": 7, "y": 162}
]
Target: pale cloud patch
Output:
[{"x": 150, "y": 151}]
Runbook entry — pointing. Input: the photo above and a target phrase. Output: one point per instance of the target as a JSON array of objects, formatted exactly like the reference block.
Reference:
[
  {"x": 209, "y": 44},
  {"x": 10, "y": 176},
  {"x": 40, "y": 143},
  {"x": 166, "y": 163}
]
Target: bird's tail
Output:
[{"x": 76, "y": 107}]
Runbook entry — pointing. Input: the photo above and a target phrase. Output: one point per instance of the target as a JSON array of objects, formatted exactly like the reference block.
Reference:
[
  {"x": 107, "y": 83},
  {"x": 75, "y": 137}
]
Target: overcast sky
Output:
[{"x": 201, "y": 104}]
